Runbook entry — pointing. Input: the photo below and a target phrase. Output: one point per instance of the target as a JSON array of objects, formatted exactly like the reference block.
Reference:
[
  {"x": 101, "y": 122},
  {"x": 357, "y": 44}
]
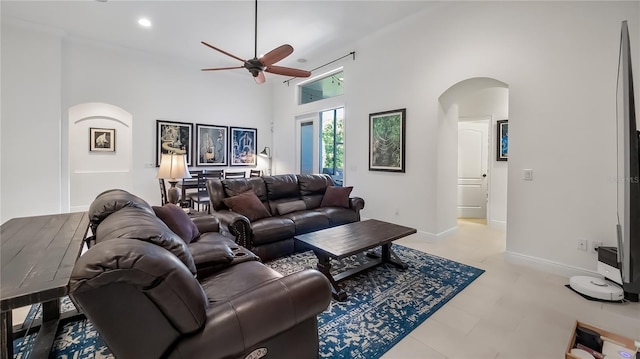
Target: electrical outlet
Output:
[
  {"x": 582, "y": 244},
  {"x": 596, "y": 245}
]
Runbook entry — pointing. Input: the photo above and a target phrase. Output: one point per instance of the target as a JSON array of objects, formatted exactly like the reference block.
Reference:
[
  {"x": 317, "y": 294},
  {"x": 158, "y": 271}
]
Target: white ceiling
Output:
[{"x": 311, "y": 27}]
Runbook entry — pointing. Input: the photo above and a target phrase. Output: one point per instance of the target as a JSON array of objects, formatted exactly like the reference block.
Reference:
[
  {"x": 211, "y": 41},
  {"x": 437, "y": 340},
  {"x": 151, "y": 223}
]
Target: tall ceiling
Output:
[{"x": 311, "y": 27}]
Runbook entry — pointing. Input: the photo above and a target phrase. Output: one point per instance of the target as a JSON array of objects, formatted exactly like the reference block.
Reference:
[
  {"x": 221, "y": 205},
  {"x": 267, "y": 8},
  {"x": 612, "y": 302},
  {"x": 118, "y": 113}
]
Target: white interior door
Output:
[{"x": 473, "y": 148}]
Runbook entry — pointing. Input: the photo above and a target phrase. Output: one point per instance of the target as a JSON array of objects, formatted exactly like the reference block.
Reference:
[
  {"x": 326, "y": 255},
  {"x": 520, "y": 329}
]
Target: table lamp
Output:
[
  {"x": 266, "y": 152},
  {"x": 173, "y": 167}
]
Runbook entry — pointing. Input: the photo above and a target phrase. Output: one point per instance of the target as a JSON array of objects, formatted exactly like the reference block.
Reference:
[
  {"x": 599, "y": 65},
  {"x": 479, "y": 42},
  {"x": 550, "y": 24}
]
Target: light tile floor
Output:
[{"x": 510, "y": 311}]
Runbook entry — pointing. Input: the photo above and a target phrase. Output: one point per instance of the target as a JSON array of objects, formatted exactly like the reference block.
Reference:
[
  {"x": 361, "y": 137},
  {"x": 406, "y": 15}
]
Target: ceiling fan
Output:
[{"x": 258, "y": 66}]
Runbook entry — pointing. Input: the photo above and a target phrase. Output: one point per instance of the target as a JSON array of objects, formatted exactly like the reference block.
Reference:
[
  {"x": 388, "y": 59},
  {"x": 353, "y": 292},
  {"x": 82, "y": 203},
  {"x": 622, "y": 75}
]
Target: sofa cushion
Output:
[
  {"x": 177, "y": 221},
  {"x": 136, "y": 223},
  {"x": 338, "y": 215},
  {"x": 288, "y": 207},
  {"x": 312, "y": 188},
  {"x": 272, "y": 229},
  {"x": 248, "y": 205},
  {"x": 237, "y": 279},
  {"x": 336, "y": 197},
  {"x": 308, "y": 221},
  {"x": 282, "y": 186}
]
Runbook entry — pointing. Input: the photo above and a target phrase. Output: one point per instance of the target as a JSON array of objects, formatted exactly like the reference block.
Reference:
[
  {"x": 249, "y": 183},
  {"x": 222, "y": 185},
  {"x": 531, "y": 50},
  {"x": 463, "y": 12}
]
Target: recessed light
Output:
[
  {"x": 144, "y": 22},
  {"x": 302, "y": 61}
]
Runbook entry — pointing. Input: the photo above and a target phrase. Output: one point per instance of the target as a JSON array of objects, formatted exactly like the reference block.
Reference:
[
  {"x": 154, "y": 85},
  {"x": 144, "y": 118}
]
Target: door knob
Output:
[{"x": 484, "y": 175}]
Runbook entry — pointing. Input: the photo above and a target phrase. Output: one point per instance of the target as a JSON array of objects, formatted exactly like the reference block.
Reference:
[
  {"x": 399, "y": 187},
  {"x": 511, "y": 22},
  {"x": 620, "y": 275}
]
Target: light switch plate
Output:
[{"x": 528, "y": 174}]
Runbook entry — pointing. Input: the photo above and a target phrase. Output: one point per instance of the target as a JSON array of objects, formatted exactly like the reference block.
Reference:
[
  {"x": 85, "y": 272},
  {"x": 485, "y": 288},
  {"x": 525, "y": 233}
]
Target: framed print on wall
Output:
[
  {"x": 502, "y": 140},
  {"x": 173, "y": 137},
  {"x": 243, "y": 146},
  {"x": 102, "y": 139},
  {"x": 387, "y": 141},
  {"x": 211, "y": 145}
]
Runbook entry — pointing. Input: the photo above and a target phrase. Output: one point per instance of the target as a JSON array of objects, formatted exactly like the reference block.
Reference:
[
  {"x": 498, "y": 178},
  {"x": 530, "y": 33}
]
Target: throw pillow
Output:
[
  {"x": 178, "y": 221},
  {"x": 248, "y": 205},
  {"x": 288, "y": 207},
  {"x": 336, "y": 197}
]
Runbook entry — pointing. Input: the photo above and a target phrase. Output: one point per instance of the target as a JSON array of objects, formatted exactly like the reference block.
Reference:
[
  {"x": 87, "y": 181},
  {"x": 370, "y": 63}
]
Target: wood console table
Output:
[{"x": 38, "y": 255}]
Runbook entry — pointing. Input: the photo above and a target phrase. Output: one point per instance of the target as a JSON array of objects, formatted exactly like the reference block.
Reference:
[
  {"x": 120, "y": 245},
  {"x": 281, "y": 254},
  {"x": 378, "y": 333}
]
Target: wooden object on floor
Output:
[
  {"x": 353, "y": 238},
  {"x": 38, "y": 255}
]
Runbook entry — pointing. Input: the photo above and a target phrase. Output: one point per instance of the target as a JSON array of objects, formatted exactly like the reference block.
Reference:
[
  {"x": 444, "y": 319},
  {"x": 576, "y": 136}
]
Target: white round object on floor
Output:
[{"x": 596, "y": 288}]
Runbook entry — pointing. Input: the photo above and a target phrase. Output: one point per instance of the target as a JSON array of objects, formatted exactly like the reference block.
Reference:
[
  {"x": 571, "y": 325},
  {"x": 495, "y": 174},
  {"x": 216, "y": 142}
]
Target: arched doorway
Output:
[{"x": 469, "y": 173}]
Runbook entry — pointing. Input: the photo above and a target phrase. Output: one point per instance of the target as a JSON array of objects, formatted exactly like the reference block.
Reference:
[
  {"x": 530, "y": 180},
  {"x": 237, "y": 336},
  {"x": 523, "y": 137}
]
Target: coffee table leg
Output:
[
  {"x": 389, "y": 256},
  {"x": 324, "y": 266}
]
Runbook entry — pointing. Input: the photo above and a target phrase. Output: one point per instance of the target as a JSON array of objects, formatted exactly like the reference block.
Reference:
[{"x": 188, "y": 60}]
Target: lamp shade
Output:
[
  {"x": 173, "y": 166},
  {"x": 266, "y": 152}
]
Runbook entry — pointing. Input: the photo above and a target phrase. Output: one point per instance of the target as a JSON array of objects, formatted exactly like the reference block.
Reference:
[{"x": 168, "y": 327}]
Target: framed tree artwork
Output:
[
  {"x": 502, "y": 140},
  {"x": 243, "y": 146},
  {"x": 212, "y": 145},
  {"x": 102, "y": 139},
  {"x": 173, "y": 137},
  {"x": 387, "y": 141}
]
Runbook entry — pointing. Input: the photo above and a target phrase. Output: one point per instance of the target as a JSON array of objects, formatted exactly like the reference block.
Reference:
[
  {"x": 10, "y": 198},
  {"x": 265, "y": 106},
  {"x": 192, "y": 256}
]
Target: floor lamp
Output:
[
  {"x": 267, "y": 153},
  {"x": 173, "y": 167}
]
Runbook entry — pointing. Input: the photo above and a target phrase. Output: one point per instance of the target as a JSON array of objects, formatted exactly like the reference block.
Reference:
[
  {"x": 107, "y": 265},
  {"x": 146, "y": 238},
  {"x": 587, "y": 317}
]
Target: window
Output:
[
  {"x": 325, "y": 87},
  {"x": 332, "y": 144}
]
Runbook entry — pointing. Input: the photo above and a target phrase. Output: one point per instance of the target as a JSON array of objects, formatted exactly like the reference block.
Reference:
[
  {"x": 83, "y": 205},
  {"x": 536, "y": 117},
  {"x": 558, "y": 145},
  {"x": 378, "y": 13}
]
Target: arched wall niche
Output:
[{"x": 92, "y": 172}]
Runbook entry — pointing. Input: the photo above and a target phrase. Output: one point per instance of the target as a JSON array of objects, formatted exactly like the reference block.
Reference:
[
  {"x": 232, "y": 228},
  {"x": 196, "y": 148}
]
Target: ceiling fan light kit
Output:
[{"x": 265, "y": 63}]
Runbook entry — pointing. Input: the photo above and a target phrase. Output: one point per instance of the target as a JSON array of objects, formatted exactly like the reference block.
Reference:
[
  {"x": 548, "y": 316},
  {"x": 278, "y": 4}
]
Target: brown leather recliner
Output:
[{"x": 139, "y": 288}]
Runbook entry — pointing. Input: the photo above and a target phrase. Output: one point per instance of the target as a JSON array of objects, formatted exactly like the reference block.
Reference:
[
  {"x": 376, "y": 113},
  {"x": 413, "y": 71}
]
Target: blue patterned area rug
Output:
[{"x": 384, "y": 305}]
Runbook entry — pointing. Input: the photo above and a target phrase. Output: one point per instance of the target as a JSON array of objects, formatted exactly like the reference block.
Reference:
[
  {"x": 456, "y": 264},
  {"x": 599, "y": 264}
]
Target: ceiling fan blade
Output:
[
  {"x": 260, "y": 79},
  {"x": 288, "y": 71},
  {"x": 223, "y": 68},
  {"x": 276, "y": 55},
  {"x": 222, "y": 51}
]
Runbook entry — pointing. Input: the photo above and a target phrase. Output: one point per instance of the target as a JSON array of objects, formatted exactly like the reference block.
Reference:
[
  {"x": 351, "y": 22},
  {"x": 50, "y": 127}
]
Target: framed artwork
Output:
[
  {"x": 243, "y": 146},
  {"x": 102, "y": 139},
  {"x": 212, "y": 145},
  {"x": 502, "y": 140},
  {"x": 387, "y": 141},
  {"x": 173, "y": 137}
]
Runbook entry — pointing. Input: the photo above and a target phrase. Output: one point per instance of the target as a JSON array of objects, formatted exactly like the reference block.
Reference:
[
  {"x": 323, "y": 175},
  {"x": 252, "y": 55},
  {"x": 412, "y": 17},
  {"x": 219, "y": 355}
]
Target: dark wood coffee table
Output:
[{"x": 353, "y": 238}]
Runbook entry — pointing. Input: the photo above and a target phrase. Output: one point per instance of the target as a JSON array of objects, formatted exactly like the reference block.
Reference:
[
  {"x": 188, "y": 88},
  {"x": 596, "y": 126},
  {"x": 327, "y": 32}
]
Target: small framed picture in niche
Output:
[{"x": 102, "y": 139}]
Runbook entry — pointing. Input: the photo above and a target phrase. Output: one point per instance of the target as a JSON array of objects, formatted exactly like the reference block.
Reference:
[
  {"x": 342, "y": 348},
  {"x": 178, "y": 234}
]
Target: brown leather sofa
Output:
[
  {"x": 295, "y": 204},
  {"x": 151, "y": 295}
]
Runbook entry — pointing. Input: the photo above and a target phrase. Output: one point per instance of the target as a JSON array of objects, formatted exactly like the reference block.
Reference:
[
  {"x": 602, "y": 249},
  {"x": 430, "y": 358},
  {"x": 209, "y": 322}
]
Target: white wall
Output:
[
  {"x": 30, "y": 122},
  {"x": 561, "y": 78},
  {"x": 45, "y": 75}
]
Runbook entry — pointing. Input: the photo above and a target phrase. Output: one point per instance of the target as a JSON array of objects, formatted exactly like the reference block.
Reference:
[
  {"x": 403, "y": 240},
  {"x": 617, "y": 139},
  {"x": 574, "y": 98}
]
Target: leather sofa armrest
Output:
[
  {"x": 238, "y": 225},
  {"x": 207, "y": 223},
  {"x": 356, "y": 204},
  {"x": 254, "y": 316}
]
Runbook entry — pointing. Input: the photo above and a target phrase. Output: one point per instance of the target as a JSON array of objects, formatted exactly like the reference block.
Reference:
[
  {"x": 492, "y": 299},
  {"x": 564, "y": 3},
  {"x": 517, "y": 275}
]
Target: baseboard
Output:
[
  {"x": 428, "y": 235},
  {"x": 546, "y": 265},
  {"x": 498, "y": 224}
]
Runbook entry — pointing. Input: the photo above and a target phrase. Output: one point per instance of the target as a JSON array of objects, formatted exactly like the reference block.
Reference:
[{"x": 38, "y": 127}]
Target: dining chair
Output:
[
  {"x": 235, "y": 174},
  {"x": 255, "y": 173},
  {"x": 163, "y": 191},
  {"x": 201, "y": 196}
]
